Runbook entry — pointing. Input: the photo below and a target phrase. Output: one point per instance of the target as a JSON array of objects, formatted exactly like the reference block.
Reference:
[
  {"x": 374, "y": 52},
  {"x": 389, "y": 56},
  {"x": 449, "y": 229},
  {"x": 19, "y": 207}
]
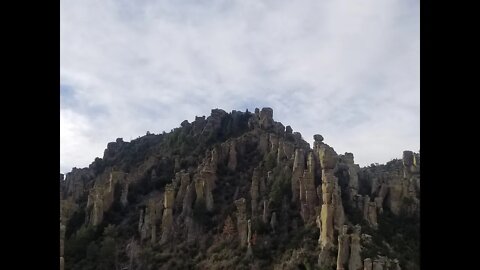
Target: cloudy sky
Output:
[{"x": 349, "y": 70}]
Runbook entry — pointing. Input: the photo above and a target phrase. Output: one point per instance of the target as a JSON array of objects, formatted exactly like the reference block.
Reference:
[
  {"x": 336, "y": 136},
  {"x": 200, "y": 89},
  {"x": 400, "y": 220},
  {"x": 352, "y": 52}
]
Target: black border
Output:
[{"x": 30, "y": 186}]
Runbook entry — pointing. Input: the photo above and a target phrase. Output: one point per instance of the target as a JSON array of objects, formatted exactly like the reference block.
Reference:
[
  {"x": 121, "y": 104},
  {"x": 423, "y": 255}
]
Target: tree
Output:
[
  {"x": 229, "y": 228},
  {"x": 108, "y": 254}
]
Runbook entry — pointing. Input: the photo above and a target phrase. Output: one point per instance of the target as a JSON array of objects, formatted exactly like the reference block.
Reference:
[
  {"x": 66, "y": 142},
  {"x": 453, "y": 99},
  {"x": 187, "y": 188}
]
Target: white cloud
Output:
[{"x": 348, "y": 70}]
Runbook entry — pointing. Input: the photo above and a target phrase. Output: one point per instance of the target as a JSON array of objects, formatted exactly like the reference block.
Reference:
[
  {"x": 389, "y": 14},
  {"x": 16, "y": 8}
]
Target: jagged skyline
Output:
[{"x": 344, "y": 70}]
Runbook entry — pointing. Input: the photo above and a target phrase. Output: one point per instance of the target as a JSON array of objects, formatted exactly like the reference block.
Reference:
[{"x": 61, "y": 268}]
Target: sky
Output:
[{"x": 348, "y": 70}]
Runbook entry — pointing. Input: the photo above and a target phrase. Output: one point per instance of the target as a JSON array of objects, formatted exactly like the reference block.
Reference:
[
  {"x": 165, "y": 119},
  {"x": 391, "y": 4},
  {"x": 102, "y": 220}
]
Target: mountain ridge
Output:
[{"x": 237, "y": 191}]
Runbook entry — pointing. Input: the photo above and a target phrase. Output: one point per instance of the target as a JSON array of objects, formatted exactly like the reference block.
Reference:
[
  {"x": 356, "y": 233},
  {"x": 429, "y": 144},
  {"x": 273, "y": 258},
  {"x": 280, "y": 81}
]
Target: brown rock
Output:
[
  {"x": 124, "y": 194},
  {"x": 232, "y": 156},
  {"x": 274, "y": 141},
  {"x": 288, "y": 130},
  {"x": 326, "y": 219},
  {"x": 242, "y": 220},
  {"x": 266, "y": 118},
  {"x": 378, "y": 265},
  {"x": 263, "y": 143},
  {"x": 343, "y": 248},
  {"x": 297, "y": 173},
  {"x": 254, "y": 191},
  {"x": 339, "y": 213},
  {"x": 184, "y": 182},
  {"x": 308, "y": 191},
  {"x": 327, "y": 156},
  {"x": 265, "y": 216},
  {"x": 372, "y": 215},
  {"x": 188, "y": 200},
  {"x": 167, "y": 226},
  {"x": 318, "y": 138},
  {"x": 367, "y": 264},
  {"x": 167, "y": 219},
  {"x": 355, "y": 261},
  {"x": 274, "y": 222}
]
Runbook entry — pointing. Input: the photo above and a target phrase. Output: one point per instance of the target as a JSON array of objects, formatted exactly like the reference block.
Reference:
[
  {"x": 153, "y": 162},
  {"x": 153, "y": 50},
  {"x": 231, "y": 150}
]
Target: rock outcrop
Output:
[
  {"x": 124, "y": 194},
  {"x": 232, "y": 156},
  {"x": 182, "y": 190},
  {"x": 213, "y": 122},
  {"x": 254, "y": 191},
  {"x": 343, "y": 248},
  {"x": 355, "y": 261},
  {"x": 102, "y": 194},
  {"x": 353, "y": 170},
  {"x": 167, "y": 219},
  {"x": 284, "y": 186},
  {"x": 378, "y": 264},
  {"x": 188, "y": 199},
  {"x": 77, "y": 182},
  {"x": 297, "y": 173},
  {"x": 266, "y": 212},
  {"x": 149, "y": 218},
  {"x": 249, "y": 238},
  {"x": 95, "y": 199},
  {"x": 397, "y": 189},
  {"x": 308, "y": 192},
  {"x": 367, "y": 264},
  {"x": 332, "y": 213},
  {"x": 266, "y": 118},
  {"x": 372, "y": 215},
  {"x": 274, "y": 222},
  {"x": 205, "y": 180},
  {"x": 242, "y": 226}
]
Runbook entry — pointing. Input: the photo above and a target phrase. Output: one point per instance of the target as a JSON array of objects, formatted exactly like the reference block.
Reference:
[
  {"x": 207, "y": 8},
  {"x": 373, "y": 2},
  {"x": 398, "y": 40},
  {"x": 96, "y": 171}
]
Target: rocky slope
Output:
[{"x": 238, "y": 191}]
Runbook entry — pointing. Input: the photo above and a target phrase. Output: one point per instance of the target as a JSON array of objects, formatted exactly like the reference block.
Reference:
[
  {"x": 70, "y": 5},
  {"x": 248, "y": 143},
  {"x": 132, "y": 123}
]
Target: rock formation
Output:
[
  {"x": 102, "y": 194},
  {"x": 184, "y": 182},
  {"x": 339, "y": 213},
  {"x": 353, "y": 170},
  {"x": 284, "y": 186},
  {"x": 308, "y": 192},
  {"x": 355, "y": 261},
  {"x": 343, "y": 248},
  {"x": 332, "y": 213},
  {"x": 372, "y": 215},
  {"x": 254, "y": 191},
  {"x": 274, "y": 141},
  {"x": 95, "y": 199},
  {"x": 149, "y": 217},
  {"x": 396, "y": 265},
  {"x": 266, "y": 118},
  {"x": 167, "y": 220},
  {"x": 327, "y": 211},
  {"x": 377, "y": 264},
  {"x": 77, "y": 182},
  {"x": 367, "y": 264},
  {"x": 213, "y": 122},
  {"x": 249, "y": 237},
  {"x": 205, "y": 180},
  {"x": 124, "y": 194},
  {"x": 232, "y": 156},
  {"x": 274, "y": 222},
  {"x": 266, "y": 213},
  {"x": 298, "y": 169},
  {"x": 242, "y": 221},
  {"x": 188, "y": 200}
]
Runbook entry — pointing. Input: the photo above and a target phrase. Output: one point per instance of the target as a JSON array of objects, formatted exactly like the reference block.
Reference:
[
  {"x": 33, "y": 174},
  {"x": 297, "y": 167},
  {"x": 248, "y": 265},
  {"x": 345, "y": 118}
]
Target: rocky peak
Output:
[{"x": 227, "y": 188}]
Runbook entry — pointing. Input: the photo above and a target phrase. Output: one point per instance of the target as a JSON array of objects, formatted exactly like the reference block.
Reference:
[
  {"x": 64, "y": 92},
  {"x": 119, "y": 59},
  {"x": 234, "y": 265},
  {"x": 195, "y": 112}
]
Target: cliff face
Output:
[{"x": 238, "y": 191}]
